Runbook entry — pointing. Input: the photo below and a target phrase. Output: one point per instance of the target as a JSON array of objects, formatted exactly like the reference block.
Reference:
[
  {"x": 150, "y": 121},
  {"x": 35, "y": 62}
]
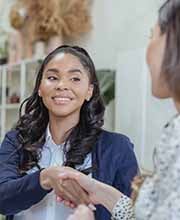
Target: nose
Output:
[{"x": 62, "y": 85}]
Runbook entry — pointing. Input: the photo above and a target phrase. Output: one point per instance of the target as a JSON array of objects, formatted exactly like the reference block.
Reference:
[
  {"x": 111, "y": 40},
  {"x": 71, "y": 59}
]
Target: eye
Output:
[
  {"x": 52, "y": 78},
  {"x": 75, "y": 79}
]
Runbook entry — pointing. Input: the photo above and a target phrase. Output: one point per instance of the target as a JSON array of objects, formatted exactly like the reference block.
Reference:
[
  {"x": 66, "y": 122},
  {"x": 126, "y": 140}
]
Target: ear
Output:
[{"x": 90, "y": 92}]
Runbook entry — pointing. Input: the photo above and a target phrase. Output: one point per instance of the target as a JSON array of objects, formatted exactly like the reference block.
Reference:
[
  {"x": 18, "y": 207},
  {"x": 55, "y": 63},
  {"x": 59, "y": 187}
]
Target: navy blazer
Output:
[{"x": 113, "y": 157}]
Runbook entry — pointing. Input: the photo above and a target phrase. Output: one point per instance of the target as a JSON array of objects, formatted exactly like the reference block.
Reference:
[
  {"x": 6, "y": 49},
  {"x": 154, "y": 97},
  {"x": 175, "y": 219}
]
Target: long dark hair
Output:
[
  {"x": 169, "y": 22},
  {"x": 33, "y": 122}
]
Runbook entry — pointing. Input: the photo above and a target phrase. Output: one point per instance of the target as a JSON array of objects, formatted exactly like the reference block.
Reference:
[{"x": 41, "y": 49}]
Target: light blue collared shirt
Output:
[{"x": 48, "y": 208}]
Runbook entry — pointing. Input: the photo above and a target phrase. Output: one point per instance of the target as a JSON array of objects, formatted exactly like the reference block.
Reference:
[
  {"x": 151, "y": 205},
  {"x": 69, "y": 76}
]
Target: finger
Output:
[
  {"x": 84, "y": 181},
  {"x": 80, "y": 196},
  {"x": 59, "y": 199},
  {"x": 67, "y": 192},
  {"x": 68, "y": 174},
  {"x": 92, "y": 207},
  {"x": 73, "y": 205},
  {"x": 70, "y": 190},
  {"x": 83, "y": 195},
  {"x": 67, "y": 203},
  {"x": 80, "y": 193},
  {"x": 70, "y": 193},
  {"x": 59, "y": 191}
]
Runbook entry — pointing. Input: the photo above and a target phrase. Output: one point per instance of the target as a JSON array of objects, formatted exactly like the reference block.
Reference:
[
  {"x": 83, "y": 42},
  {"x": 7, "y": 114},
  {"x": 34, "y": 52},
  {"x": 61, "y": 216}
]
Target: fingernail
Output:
[
  {"x": 92, "y": 207},
  {"x": 58, "y": 199}
]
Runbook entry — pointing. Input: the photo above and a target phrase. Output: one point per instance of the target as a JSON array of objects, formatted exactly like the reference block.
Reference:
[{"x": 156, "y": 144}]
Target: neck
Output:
[{"x": 60, "y": 127}]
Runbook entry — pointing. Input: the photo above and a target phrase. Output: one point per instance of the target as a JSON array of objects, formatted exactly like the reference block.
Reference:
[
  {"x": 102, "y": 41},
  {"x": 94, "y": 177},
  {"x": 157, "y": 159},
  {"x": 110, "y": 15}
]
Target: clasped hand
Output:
[{"x": 67, "y": 190}]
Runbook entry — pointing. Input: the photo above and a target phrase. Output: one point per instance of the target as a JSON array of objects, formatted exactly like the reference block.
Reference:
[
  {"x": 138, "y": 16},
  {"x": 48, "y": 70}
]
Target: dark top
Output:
[{"x": 113, "y": 157}]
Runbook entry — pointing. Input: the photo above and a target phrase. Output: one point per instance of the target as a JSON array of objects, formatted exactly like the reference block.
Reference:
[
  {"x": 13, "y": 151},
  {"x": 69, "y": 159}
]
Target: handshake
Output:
[
  {"x": 70, "y": 186},
  {"x": 74, "y": 188}
]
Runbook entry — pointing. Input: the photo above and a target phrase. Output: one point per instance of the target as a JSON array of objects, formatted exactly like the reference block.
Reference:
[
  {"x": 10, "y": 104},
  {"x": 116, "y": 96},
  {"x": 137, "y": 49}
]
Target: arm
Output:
[
  {"x": 17, "y": 192},
  {"x": 119, "y": 205},
  {"x": 116, "y": 197},
  {"x": 124, "y": 167},
  {"x": 127, "y": 169},
  {"x": 99, "y": 192}
]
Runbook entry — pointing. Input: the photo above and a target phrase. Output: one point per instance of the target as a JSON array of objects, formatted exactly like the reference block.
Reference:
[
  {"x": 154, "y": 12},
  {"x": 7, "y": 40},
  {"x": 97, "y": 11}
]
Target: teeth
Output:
[{"x": 62, "y": 99}]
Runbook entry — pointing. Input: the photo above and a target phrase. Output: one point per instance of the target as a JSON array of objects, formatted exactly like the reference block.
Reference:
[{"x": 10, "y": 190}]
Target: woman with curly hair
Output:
[{"x": 60, "y": 125}]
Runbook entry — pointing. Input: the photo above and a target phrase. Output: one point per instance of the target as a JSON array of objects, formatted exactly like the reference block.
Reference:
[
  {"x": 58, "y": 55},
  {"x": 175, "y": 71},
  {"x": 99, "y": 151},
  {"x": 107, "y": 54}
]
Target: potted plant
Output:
[
  {"x": 107, "y": 84},
  {"x": 3, "y": 47},
  {"x": 2, "y": 217},
  {"x": 3, "y": 54}
]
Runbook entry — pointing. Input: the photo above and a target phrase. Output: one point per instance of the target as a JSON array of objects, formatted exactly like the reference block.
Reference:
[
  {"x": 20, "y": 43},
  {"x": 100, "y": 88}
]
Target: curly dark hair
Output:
[
  {"x": 34, "y": 117},
  {"x": 169, "y": 22}
]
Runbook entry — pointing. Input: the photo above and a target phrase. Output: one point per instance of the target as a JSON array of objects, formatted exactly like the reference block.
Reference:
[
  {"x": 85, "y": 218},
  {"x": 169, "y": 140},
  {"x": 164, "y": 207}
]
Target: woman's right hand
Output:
[
  {"x": 99, "y": 193},
  {"x": 68, "y": 190}
]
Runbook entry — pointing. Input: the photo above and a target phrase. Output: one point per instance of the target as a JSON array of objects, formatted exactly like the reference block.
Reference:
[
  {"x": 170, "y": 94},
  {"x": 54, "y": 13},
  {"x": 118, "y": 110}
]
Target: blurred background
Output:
[{"x": 115, "y": 33}]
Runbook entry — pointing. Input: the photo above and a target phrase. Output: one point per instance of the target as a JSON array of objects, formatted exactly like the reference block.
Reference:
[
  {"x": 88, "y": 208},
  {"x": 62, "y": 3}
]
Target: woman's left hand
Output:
[{"x": 82, "y": 213}]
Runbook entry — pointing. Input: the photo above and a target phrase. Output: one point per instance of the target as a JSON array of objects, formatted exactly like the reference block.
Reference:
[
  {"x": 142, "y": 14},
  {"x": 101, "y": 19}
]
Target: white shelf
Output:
[
  {"x": 10, "y": 106},
  {"x": 17, "y": 78}
]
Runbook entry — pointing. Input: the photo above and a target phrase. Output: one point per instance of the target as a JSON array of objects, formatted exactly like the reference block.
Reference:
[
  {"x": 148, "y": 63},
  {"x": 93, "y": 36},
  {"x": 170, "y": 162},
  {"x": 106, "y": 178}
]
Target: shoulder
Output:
[
  {"x": 117, "y": 139},
  {"x": 115, "y": 135},
  {"x": 112, "y": 143},
  {"x": 10, "y": 148},
  {"x": 11, "y": 138},
  {"x": 116, "y": 150},
  {"x": 11, "y": 135}
]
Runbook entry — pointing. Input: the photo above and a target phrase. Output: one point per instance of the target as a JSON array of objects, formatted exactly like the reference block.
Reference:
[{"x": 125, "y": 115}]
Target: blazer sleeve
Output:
[
  {"x": 17, "y": 192},
  {"x": 127, "y": 167}
]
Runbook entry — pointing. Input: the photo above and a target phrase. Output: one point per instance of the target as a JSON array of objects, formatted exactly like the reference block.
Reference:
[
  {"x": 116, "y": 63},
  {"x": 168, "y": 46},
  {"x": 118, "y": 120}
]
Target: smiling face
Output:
[{"x": 65, "y": 86}]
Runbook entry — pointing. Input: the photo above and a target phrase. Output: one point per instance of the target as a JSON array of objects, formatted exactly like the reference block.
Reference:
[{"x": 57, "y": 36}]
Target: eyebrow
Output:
[
  {"x": 69, "y": 71},
  {"x": 74, "y": 70},
  {"x": 52, "y": 70}
]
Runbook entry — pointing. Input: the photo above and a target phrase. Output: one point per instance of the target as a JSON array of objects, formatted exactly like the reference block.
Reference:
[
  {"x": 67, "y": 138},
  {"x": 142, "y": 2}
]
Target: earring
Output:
[{"x": 39, "y": 93}]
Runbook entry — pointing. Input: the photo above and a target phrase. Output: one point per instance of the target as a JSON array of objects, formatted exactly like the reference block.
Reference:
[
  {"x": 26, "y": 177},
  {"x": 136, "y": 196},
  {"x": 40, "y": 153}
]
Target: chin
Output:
[
  {"x": 61, "y": 114},
  {"x": 65, "y": 113},
  {"x": 161, "y": 95}
]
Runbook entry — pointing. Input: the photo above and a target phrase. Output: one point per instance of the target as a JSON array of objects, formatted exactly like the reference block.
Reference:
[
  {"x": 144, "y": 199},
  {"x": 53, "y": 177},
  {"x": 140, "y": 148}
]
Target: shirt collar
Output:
[
  {"x": 49, "y": 140},
  {"x": 48, "y": 134}
]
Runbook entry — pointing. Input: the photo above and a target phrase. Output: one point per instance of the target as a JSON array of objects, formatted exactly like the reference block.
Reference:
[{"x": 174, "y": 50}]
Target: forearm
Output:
[
  {"x": 20, "y": 194},
  {"x": 108, "y": 196},
  {"x": 119, "y": 205}
]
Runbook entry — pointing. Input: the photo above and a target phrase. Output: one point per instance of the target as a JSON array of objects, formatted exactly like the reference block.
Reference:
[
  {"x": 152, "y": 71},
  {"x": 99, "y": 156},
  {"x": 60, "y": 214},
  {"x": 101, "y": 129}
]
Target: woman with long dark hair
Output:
[
  {"x": 61, "y": 124},
  {"x": 158, "y": 195}
]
